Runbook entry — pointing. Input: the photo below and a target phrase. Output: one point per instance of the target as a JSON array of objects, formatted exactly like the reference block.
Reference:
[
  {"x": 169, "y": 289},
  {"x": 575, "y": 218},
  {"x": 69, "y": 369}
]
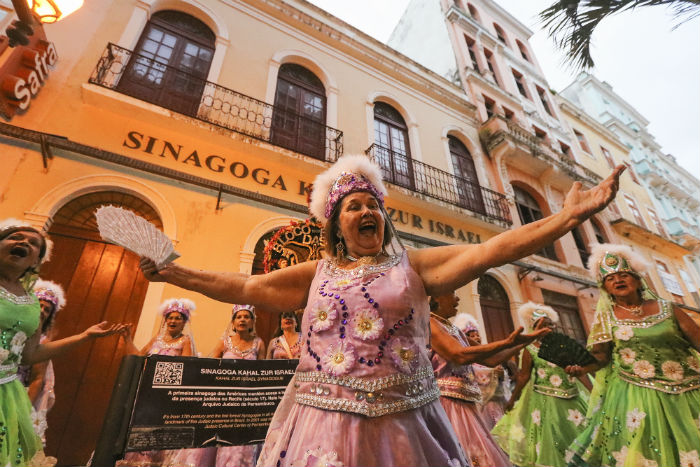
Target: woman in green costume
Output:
[
  {"x": 551, "y": 406},
  {"x": 22, "y": 250},
  {"x": 645, "y": 405}
]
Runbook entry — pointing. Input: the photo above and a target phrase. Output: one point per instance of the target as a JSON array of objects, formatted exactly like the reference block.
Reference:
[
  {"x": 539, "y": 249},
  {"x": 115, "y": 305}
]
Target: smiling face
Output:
[
  {"x": 474, "y": 337},
  {"x": 288, "y": 321},
  {"x": 361, "y": 224},
  {"x": 21, "y": 249},
  {"x": 175, "y": 323},
  {"x": 242, "y": 322},
  {"x": 622, "y": 284}
]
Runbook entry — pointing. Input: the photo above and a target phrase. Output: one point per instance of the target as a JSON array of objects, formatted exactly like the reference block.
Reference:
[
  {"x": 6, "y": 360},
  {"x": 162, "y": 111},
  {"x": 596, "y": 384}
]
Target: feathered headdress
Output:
[
  {"x": 51, "y": 292},
  {"x": 349, "y": 174},
  {"x": 12, "y": 224},
  {"x": 184, "y": 306},
  {"x": 530, "y": 312},
  {"x": 465, "y": 322},
  {"x": 609, "y": 258}
]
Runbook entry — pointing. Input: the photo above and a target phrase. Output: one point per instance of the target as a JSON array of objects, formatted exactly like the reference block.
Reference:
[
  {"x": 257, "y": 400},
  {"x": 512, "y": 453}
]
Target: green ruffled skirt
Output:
[
  {"x": 19, "y": 444},
  {"x": 539, "y": 429},
  {"x": 632, "y": 426}
]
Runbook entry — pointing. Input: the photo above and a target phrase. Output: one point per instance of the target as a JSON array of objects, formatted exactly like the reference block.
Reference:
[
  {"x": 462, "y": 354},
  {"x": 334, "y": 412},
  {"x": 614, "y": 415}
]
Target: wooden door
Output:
[
  {"x": 102, "y": 282},
  {"x": 495, "y": 308}
]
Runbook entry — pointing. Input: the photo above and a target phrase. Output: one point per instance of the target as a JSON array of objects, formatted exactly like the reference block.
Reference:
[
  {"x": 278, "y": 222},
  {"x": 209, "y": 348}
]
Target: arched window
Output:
[
  {"x": 391, "y": 145},
  {"x": 495, "y": 308},
  {"x": 171, "y": 62},
  {"x": 500, "y": 33},
  {"x": 530, "y": 211},
  {"x": 468, "y": 187},
  {"x": 473, "y": 12},
  {"x": 523, "y": 50},
  {"x": 299, "y": 118}
]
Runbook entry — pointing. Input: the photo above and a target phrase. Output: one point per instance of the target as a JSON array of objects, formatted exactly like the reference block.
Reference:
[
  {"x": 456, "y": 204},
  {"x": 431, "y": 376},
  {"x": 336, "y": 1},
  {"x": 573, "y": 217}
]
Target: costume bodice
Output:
[
  {"x": 652, "y": 352},
  {"x": 161, "y": 347},
  {"x": 454, "y": 380},
  {"x": 365, "y": 335},
  {"x": 19, "y": 319},
  {"x": 233, "y": 351},
  {"x": 278, "y": 351},
  {"x": 550, "y": 379}
]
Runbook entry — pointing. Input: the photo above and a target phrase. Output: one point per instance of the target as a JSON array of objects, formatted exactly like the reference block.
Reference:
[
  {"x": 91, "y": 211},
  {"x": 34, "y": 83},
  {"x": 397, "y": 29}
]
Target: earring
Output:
[{"x": 340, "y": 247}]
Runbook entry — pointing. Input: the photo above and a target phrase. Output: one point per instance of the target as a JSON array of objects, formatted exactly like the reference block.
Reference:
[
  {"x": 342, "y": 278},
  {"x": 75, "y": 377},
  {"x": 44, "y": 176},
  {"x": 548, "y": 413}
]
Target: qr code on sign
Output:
[{"x": 168, "y": 373}]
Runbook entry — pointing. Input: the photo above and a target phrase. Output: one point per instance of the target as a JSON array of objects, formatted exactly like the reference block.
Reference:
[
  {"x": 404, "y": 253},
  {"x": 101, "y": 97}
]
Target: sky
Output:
[{"x": 654, "y": 68}]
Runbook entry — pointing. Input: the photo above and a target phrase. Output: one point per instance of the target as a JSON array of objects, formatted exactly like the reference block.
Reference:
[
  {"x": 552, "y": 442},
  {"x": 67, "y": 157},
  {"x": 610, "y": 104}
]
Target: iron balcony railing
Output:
[
  {"x": 401, "y": 170},
  {"x": 151, "y": 80}
]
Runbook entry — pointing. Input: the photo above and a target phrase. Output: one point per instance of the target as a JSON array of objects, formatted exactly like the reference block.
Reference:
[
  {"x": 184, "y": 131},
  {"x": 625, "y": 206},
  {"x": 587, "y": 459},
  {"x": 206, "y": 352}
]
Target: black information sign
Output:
[{"x": 185, "y": 402}]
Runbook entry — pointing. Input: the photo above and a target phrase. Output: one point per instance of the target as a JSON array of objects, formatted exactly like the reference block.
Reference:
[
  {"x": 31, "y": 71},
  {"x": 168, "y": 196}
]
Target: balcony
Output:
[
  {"x": 532, "y": 155},
  {"x": 416, "y": 176},
  {"x": 684, "y": 233},
  {"x": 154, "y": 82}
]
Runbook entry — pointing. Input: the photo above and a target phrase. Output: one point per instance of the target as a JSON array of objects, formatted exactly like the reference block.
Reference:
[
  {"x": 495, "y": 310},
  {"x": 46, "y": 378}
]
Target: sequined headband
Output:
[
  {"x": 237, "y": 308},
  {"x": 179, "y": 307},
  {"x": 348, "y": 183},
  {"x": 613, "y": 263},
  {"x": 47, "y": 295},
  {"x": 537, "y": 314}
]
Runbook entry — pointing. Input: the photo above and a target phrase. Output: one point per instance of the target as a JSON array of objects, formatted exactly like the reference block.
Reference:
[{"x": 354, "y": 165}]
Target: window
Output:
[
  {"x": 657, "y": 222},
  {"x": 391, "y": 139},
  {"x": 530, "y": 211},
  {"x": 599, "y": 235},
  {"x": 608, "y": 157},
  {"x": 565, "y": 149},
  {"x": 520, "y": 83},
  {"x": 539, "y": 134},
  {"x": 495, "y": 308},
  {"x": 635, "y": 211},
  {"x": 468, "y": 188},
  {"x": 170, "y": 64},
  {"x": 543, "y": 98},
  {"x": 670, "y": 283},
  {"x": 471, "y": 46},
  {"x": 492, "y": 68},
  {"x": 582, "y": 141},
  {"x": 299, "y": 115},
  {"x": 633, "y": 174},
  {"x": 581, "y": 245},
  {"x": 490, "y": 106},
  {"x": 473, "y": 12},
  {"x": 523, "y": 50},
  {"x": 508, "y": 113},
  {"x": 567, "y": 308},
  {"x": 500, "y": 33}
]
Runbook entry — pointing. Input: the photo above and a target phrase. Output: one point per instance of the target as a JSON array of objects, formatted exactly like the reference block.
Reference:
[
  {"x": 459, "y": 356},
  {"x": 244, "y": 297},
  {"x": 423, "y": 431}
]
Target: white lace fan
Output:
[{"x": 135, "y": 233}]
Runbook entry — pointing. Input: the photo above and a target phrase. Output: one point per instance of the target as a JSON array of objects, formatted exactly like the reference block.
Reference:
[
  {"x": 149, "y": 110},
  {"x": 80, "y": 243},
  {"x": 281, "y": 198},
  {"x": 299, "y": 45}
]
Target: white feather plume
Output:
[
  {"x": 526, "y": 311},
  {"x": 598, "y": 250},
  {"x": 355, "y": 163},
  {"x": 126, "y": 229},
  {"x": 464, "y": 320},
  {"x": 185, "y": 302}
]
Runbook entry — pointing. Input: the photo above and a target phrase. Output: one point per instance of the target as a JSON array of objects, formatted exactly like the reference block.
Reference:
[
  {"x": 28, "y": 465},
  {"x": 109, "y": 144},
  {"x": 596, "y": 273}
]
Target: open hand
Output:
[
  {"x": 575, "y": 370},
  {"x": 103, "y": 329},
  {"x": 518, "y": 338},
  {"x": 584, "y": 203}
]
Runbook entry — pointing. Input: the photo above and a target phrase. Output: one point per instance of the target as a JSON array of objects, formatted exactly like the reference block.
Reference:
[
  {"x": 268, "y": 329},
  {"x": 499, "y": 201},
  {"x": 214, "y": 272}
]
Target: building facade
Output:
[
  {"x": 211, "y": 120},
  {"x": 674, "y": 192}
]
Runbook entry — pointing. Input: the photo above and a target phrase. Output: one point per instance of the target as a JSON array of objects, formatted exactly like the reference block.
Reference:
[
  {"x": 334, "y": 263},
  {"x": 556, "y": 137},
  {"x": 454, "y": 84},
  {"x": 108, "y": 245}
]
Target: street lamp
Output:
[{"x": 50, "y": 11}]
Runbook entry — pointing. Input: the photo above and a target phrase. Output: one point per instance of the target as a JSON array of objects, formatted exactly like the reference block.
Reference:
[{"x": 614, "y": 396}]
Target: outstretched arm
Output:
[
  {"x": 448, "y": 268},
  {"x": 521, "y": 379},
  {"x": 451, "y": 350},
  {"x": 282, "y": 290},
  {"x": 34, "y": 353}
]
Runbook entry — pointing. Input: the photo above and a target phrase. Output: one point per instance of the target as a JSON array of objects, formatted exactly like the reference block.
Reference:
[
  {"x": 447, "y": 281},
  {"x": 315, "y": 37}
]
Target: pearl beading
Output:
[
  {"x": 365, "y": 384},
  {"x": 17, "y": 299}
]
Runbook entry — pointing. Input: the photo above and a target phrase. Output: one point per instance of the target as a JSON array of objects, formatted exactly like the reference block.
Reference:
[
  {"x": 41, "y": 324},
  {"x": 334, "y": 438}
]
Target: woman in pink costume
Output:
[
  {"x": 175, "y": 340},
  {"x": 239, "y": 342},
  {"x": 493, "y": 382},
  {"x": 459, "y": 392},
  {"x": 364, "y": 393},
  {"x": 287, "y": 342}
]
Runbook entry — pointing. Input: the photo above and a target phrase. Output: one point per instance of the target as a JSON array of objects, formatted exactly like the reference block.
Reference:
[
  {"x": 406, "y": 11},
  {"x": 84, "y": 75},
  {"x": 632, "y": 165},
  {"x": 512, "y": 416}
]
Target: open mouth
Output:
[
  {"x": 368, "y": 227},
  {"x": 20, "y": 251}
]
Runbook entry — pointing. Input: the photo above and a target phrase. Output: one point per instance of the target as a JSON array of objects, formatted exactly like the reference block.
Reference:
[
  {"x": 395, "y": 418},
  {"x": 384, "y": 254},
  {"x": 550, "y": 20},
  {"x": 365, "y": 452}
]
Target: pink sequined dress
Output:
[
  {"x": 197, "y": 457},
  {"x": 239, "y": 456},
  {"x": 459, "y": 395},
  {"x": 364, "y": 393},
  {"x": 278, "y": 351}
]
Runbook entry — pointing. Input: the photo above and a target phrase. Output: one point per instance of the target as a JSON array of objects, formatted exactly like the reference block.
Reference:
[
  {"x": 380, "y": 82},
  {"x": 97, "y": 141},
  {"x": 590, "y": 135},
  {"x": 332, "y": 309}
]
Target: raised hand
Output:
[
  {"x": 150, "y": 270},
  {"x": 582, "y": 204},
  {"x": 103, "y": 329},
  {"x": 518, "y": 338}
]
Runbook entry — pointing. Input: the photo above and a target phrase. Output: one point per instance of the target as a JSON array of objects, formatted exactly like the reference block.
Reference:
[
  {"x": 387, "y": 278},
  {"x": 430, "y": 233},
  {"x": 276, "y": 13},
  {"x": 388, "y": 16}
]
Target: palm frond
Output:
[{"x": 570, "y": 23}]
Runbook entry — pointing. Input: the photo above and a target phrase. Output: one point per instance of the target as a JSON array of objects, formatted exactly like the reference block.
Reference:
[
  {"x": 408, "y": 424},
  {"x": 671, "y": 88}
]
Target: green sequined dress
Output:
[
  {"x": 645, "y": 405},
  {"x": 549, "y": 415},
  {"x": 19, "y": 319}
]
